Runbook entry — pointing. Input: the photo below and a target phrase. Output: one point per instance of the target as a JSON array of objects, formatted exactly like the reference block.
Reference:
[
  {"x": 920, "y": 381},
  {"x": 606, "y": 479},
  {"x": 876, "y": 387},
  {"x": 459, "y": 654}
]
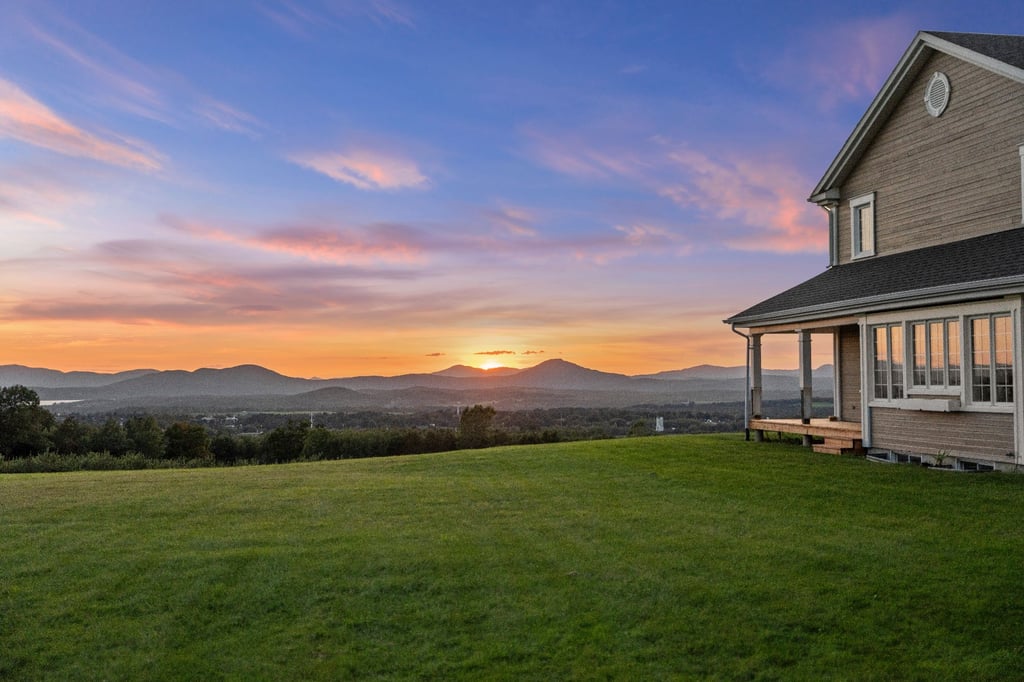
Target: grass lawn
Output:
[{"x": 650, "y": 558}]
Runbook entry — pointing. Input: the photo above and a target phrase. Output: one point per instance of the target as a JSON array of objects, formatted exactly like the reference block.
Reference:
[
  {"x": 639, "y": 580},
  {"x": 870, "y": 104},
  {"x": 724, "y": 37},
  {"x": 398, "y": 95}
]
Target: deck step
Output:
[{"x": 839, "y": 446}]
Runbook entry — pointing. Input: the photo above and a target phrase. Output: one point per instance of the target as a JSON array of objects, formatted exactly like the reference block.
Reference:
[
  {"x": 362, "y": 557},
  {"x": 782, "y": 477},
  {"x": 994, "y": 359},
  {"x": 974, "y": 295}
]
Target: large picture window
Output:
[
  {"x": 991, "y": 359},
  {"x": 935, "y": 354},
  {"x": 888, "y": 361}
]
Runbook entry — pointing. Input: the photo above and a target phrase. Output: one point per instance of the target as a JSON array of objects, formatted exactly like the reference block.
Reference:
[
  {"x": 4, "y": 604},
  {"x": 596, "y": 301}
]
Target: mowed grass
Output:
[{"x": 656, "y": 558}]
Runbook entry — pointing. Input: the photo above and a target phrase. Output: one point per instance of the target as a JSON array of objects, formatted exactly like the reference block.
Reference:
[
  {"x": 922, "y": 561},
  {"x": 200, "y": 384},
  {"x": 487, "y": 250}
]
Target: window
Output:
[
  {"x": 888, "y": 361},
  {"x": 935, "y": 353},
  {"x": 991, "y": 359},
  {"x": 862, "y": 220}
]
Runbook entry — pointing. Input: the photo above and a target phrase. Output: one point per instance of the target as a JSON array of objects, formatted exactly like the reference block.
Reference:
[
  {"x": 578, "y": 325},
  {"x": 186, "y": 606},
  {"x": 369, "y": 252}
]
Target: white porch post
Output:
[
  {"x": 755, "y": 382},
  {"x": 805, "y": 377}
]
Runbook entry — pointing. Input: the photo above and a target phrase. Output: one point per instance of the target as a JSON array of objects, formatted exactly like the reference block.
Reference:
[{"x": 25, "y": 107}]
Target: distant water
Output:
[{"x": 47, "y": 403}]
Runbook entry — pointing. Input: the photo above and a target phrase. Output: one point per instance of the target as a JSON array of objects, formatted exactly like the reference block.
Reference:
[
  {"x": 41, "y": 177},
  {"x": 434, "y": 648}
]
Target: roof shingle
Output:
[{"x": 965, "y": 269}]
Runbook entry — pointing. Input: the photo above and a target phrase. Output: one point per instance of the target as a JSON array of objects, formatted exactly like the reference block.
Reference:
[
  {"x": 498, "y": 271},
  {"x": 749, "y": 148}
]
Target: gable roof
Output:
[
  {"x": 1002, "y": 54},
  {"x": 980, "y": 267}
]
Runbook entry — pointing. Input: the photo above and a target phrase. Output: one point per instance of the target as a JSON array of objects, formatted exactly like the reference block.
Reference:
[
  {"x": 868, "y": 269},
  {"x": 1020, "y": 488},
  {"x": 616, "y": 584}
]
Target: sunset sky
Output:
[{"x": 342, "y": 187}]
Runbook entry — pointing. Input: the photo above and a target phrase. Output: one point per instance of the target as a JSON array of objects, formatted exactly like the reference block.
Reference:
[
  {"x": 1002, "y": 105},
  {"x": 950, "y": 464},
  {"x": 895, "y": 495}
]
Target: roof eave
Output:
[{"x": 941, "y": 295}]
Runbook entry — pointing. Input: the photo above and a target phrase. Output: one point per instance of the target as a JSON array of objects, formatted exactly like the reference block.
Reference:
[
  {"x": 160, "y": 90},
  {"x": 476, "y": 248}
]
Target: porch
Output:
[{"x": 840, "y": 438}]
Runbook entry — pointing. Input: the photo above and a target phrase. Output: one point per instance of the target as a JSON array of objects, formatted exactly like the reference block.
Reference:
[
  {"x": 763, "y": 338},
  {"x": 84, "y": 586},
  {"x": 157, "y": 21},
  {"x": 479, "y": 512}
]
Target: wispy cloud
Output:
[
  {"x": 299, "y": 19},
  {"x": 376, "y": 243},
  {"x": 515, "y": 220},
  {"x": 118, "y": 81},
  {"x": 364, "y": 169},
  {"x": 495, "y": 352},
  {"x": 28, "y": 120},
  {"x": 756, "y": 202},
  {"x": 847, "y": 62},
  {"x": 759, "y": 194}
]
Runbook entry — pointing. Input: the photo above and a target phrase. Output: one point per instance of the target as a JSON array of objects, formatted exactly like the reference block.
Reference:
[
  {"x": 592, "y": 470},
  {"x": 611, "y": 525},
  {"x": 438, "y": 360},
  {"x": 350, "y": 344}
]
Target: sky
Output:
[{"x": 346, "y": 187}]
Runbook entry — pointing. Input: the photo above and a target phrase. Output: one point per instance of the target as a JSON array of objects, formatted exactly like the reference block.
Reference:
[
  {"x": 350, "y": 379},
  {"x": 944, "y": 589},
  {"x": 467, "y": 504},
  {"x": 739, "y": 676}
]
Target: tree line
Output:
[{"x": 28, "y": 431}]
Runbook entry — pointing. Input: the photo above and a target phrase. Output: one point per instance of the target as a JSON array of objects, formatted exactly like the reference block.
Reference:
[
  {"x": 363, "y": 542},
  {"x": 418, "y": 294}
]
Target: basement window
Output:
[{"x": 862, "y": 225}]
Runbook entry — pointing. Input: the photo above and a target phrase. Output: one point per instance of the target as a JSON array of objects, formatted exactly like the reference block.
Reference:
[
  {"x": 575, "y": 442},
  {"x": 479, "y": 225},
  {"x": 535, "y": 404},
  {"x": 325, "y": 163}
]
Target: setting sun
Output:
[{"x": 491, "y": 364}]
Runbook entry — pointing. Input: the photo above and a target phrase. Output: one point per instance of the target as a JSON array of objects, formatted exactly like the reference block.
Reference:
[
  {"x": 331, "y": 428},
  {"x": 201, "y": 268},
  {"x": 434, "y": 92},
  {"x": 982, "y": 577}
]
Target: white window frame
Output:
[
  {"x": 857, "y": 229},
  {"x": 964, "y": 392},
  {"x": 990, "y": 320},
  {"x": 946, "y": 367}
]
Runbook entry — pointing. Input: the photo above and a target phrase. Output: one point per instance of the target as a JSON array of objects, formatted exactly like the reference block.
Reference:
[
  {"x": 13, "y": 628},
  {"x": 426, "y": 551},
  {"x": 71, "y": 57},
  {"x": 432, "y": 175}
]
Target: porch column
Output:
[
  {"x": 755, "y": 382},
  {"x": 805, "y": 377}
]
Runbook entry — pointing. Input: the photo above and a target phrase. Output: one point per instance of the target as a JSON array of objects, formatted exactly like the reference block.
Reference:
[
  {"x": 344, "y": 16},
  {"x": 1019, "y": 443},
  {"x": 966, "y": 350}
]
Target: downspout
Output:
[{"x": 746, "y": 391}]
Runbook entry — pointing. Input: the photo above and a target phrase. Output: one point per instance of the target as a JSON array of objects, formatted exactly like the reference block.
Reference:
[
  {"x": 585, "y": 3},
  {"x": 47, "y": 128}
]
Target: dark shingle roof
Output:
[
  {"x": 964, "y": 270},
  {"x": 1007, "y": 49}
]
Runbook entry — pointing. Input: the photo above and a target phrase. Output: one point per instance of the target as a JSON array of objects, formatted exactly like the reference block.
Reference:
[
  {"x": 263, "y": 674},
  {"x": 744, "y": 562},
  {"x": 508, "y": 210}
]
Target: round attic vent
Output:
[{"x": 936, "y": 95}]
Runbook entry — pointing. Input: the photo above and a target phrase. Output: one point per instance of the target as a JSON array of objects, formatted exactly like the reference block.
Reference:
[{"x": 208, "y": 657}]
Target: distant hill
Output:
[
  {"x": 553, "y": 383},
  {"x": 738, "y": 372},
  {"x": 37, "y": 377},
  {"x": 466, "y": 372}
]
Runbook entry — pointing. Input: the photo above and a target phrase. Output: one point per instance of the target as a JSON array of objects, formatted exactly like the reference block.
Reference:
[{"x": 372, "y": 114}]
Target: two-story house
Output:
[{"x": 922, "y": 297}]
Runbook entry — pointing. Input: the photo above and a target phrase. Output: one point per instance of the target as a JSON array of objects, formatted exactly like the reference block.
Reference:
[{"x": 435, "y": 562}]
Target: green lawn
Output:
[{"x": 652, "y": 558}]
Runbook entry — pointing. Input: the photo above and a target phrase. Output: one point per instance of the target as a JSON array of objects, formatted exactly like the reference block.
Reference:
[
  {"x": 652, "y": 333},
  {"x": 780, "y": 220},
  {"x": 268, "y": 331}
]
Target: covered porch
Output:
[{"x": 842, "y": 432}]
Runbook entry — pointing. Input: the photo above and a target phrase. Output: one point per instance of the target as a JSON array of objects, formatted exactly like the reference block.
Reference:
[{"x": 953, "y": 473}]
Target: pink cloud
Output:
[
  {"x": 382, "y": 242},
  {"x": 27, "y": 120},
  {"x": 845, "y": 62},
  {"x": 364, "y": 169},
  {"x": 760, "y": 194}
]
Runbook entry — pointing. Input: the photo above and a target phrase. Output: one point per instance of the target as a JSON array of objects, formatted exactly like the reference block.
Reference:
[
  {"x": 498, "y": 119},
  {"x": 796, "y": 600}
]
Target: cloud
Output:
[
  {"x": 376, "y": 243},
  {"x": 532, "y": 352},
  {"x": 753, "y": 202},
  {"x": 759, "y": 194},
  {"x": 364, "y": 169},
  {"x": 434, "y": 355},
  {"x": 495, "y": 352},
  {"x": 515, "y": 220},
  {"x": 847, "y": 62},
  {"x": 28, "y": 120},
  {"x": 299, "y": 18},
  {"x": 116, "y": 80},
  {"x": 225, "y": 117}
]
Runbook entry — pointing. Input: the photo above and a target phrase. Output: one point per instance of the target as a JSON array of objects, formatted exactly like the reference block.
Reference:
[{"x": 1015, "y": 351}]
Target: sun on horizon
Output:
[{"x": 491, "y": 364}]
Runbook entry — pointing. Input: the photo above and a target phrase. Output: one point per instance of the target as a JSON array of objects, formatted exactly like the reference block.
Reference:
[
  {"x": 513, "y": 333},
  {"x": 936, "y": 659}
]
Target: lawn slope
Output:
[{"x": 686, "y": 557}]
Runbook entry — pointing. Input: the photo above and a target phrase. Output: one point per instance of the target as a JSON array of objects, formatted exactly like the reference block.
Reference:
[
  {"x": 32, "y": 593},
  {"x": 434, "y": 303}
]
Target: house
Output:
[{"x": 921, "y": 300}]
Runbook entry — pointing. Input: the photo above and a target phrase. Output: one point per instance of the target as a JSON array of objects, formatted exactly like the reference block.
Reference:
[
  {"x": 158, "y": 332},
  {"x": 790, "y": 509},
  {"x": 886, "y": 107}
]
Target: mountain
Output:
[
  {"x": 738, "y": 372},
  {"x": 553, "y": 383},
  {"x": 467, "y": 372},
  {"x": 37, "y": 377}
]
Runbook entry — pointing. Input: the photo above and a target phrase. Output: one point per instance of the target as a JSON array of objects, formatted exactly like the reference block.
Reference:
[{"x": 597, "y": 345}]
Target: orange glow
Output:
[{"x": 491, "y": 364}]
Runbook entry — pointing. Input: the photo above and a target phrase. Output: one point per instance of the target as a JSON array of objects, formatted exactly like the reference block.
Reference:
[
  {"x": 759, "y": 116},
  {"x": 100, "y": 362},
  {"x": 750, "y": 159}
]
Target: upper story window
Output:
[{"x": 862, "y": 223}]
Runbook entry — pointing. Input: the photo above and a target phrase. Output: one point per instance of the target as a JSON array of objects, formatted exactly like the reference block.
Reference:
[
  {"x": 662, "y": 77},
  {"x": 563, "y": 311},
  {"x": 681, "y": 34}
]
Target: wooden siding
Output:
[
  {"x": 942, "y": 179},
  {"x": 977, "y": 435},
  {"x": 849, "y": 373}
]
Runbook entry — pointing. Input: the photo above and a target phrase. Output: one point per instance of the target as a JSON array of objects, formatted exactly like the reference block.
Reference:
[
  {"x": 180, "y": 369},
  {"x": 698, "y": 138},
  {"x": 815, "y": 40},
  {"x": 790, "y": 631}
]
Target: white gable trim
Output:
[{"x": 896, "y": 85}]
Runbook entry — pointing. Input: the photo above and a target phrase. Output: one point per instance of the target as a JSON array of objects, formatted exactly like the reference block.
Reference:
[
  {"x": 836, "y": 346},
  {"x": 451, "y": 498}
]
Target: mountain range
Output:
[{"x": 553, "y": 383}]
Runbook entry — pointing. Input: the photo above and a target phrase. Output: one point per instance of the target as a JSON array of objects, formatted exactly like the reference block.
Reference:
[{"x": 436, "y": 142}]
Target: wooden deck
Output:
[{"x": 841, "y": 438}]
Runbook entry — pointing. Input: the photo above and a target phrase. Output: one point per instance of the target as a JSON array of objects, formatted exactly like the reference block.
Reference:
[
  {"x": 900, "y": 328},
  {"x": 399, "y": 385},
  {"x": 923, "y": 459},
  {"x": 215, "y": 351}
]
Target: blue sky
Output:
[{"x": 341, "y": 187}]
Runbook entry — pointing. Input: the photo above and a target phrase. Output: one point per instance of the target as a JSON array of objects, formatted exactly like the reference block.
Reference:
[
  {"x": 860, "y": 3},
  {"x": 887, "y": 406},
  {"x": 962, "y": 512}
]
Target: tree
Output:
[
  {"x": 72, "y": 437},
  {"x": 186, "y": 441},
  {"x": 285, "y": 443},
  {"x": 23, "y": 423},
  {"x": 475, "y": 427},
  {"x": 110, "y": 438},
  {"x": 145, "y": 436}
]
